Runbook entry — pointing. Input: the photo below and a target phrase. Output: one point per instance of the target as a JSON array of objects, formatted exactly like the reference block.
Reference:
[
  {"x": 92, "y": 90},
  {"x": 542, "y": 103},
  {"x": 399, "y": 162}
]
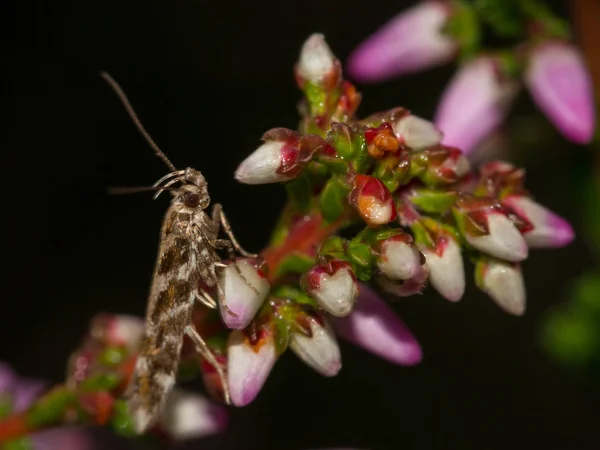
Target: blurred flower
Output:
[
  {"x": 250, "y": 360},
  {"x": 372, "y": 200},
  {"x": 243, "y": 301},
  {"x": 560, "y": 84},
  {"x": 333, "y": 286},
  {"x": 549, "y": 230},
  {"x": 318, "y": 349},
  {"x": 503, "y": 282},
  {"x": 374, "y": 326},
  {"x": 474, "y": 103},
  {"x": 406, "y": 288},
  {"x": 188, "y": 415},
  {"x": 413, "y": 40}
]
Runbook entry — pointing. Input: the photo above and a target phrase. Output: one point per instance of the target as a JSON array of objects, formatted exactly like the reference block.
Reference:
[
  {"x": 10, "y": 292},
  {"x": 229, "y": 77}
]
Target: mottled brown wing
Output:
[{"x": 170, "y": 307}]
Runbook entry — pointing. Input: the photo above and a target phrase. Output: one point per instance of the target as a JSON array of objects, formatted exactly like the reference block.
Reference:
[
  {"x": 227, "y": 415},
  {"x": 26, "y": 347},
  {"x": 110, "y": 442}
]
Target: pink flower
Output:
[
  {"x": 560, "y": 84},
  {"x": 243, "y": 301},
  {"x": 249, "y": 362},
  {"x": 319, "y": 349},
  {"x": 372, "y": 200},
  {"x": 549, "y": 230},
  {"x": 411, "y": 41},
  {"x": 375, "y": 327},
  {"x": 474, "y": 103},
  {"x": 333, "y": 286}
]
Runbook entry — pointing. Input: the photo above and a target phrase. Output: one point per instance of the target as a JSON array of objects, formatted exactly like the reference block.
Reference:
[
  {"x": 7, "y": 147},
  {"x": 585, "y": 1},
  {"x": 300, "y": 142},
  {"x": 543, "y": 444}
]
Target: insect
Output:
[{"x": 188, "y": 255}]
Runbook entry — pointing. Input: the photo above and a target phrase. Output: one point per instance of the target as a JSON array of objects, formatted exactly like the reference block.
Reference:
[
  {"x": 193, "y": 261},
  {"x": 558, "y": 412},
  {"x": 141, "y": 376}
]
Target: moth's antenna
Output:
[
  {"x": 134, "y": 117},
  {"x": 135, "y": 189}
]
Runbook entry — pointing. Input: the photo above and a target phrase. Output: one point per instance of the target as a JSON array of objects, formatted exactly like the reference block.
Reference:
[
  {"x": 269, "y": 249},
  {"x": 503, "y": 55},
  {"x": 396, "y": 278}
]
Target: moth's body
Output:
[{"x": 187, "y": 255}]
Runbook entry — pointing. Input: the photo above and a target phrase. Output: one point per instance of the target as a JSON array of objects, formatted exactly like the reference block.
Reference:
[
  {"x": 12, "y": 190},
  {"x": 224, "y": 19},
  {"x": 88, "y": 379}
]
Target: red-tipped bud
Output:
[
  {"x": 333, "y": 285},
  {"x": 398, "y": 258},
  {"x": 503, "y": 282},
  {"x": 445, "y": 165},
  {"x": 416, "y": 133},
  {"x": 381, "y": 140},
  {"x": 372, "y": 200},
  {"x": 317, "y": 64},
  {"x": 446, "y": 269}
]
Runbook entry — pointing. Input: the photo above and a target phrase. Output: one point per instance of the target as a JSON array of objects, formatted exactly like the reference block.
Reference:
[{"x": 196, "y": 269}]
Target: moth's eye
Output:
[{"x": 191, "y": 200}]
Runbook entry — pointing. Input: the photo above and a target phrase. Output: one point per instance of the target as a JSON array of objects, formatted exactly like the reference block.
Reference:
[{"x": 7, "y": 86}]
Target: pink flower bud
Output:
[
  {"x": 416, "y": 133},
  {"x": 503, "y": 282},
  {"x": 399, "y": 259},
  {"x": 474, "y": 103},
  {"x": 409, "y": 42},
  {"x": 188, "y": 415},
  {"x": 375, "y": 327},
  {"x": 446, "y": 269},
  {"x": 317, "y": 64},
  {"x": 242, "y": 299},
  {"x": 406, "y": 288},
  {"x": 249, "y": 363},
  {"x": 560, "y": 84},
  {"x": 372, "y": 200},
  {"x": 503, "y": 241},
  {"x": 281, "y": 158},
  {"x": 549, "y": 230},
  {"x": 333, "y": 285},
  {"x": 320, "y": 350}
]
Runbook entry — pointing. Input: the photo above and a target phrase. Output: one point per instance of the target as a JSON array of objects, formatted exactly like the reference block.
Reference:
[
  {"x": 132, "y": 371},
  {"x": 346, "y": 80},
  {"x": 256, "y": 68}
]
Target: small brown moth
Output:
[{"x": 187, "y": 255}]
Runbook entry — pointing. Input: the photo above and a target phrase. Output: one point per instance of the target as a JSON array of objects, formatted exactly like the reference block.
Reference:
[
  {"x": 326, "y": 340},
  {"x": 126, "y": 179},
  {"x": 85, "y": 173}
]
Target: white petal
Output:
[
  {"x": 316, "y": 59},
  {"x": 447, "y": 272},
  {"x": 504, "y": 284},
  {"x": 261, "y": 166},
  {"x": 399, "y": 261},
  {"x": 241, "y": 298},
  {"x": 337, "y": 293},
  {"x": 504, "y": 240},
  {"x": 417, "y": 133},
  {"x": 321, "y": 351}
]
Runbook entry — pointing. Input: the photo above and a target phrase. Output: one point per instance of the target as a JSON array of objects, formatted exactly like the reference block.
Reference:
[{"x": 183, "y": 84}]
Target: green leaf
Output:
[
  {"x": 100, "y": 382},
  {"x": 464, "y": 27},
  {"x": 50, "y": 408},
  {"x": 18, "y": 444},
  {"x": 341, "y": 138},
  {"x": 6, "y": 405},
  {"x": 121, "y": 422},
  {"x": 334, "y": 246},
  {"x": 299, "y": 192},
  {"x": 292, "y": 293},
  {"x": 362, "y": 161},
  {"x": 361, "y": 255},
  {"x": 333, "y": 199},
  {"x": 295, "y": 262},
  {"x": 432, "y": 201},
  {"x": 282, "y": 335}
]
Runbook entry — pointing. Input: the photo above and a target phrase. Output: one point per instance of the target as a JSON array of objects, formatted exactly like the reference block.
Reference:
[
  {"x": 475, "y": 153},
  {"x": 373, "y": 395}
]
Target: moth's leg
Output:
[
  {"x": 220, "y": 292},
  {"x": 225, "y": 244},
  {"x": 206, "y": 299},
  {"x": 219, "y": 219},
  {"x": 207, "y": 354}
]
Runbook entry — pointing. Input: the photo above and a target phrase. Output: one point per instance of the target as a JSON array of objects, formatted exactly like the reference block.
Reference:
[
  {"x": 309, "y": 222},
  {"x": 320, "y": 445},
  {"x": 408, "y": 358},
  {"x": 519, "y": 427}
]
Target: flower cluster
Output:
[
  {"x": 420, "y": 209},
  {"x": 540, "y": 56}
]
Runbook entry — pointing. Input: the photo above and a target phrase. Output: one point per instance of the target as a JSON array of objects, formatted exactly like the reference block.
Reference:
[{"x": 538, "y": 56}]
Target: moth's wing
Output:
[{"x": 170, "y": 307}]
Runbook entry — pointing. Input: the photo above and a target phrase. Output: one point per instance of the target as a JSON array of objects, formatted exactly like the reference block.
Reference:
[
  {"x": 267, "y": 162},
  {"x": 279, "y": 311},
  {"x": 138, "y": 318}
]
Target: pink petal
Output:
[
  {"x": 560, "y": 84},
  {"x": 409, "y": 42},
  {"x": 374, "y": 326}
]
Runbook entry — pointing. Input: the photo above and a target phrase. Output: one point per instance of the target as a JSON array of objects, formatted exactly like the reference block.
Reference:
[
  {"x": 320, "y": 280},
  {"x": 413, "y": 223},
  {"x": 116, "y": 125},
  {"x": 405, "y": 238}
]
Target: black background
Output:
[{"x": 207, "y": 79}]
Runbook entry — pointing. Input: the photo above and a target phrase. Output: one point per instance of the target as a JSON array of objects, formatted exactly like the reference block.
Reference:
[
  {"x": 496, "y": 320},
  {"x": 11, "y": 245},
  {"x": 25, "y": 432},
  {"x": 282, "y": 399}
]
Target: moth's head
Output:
[{"x": 193, "y": 193}]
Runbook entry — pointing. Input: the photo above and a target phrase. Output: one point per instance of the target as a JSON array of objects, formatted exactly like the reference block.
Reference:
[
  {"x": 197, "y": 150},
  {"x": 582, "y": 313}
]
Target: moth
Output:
[{"x": 187, "y": 257}]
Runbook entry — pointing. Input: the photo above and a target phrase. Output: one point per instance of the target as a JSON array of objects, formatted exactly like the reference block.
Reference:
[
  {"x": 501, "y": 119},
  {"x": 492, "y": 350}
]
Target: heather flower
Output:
[
  {"x": 244, "y": 294},
  {"x": 375, "y": 327},
  {"x": 333, "y": 286},
  {"x": 372, "y": 200},
  {"x": 503, "y": 282},
  {"x": 445, "y": 264},
  {"x": 398, "y": 258},
  {"x": 416, "y": 133},
  {"x": 317, "y": 64},
  {"x": 560, "y": 84},
  {"x": 413, "y": 40},
  {"x": 317, "y": 346},
  {"x": 249, "y": 362},
  {"x": 475, "y": 103}
]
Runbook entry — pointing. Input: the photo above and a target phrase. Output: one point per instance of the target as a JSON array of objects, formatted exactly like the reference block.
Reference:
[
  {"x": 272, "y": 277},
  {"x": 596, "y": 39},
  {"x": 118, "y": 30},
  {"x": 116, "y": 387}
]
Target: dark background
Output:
[{"x": 207, "y": 79}]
